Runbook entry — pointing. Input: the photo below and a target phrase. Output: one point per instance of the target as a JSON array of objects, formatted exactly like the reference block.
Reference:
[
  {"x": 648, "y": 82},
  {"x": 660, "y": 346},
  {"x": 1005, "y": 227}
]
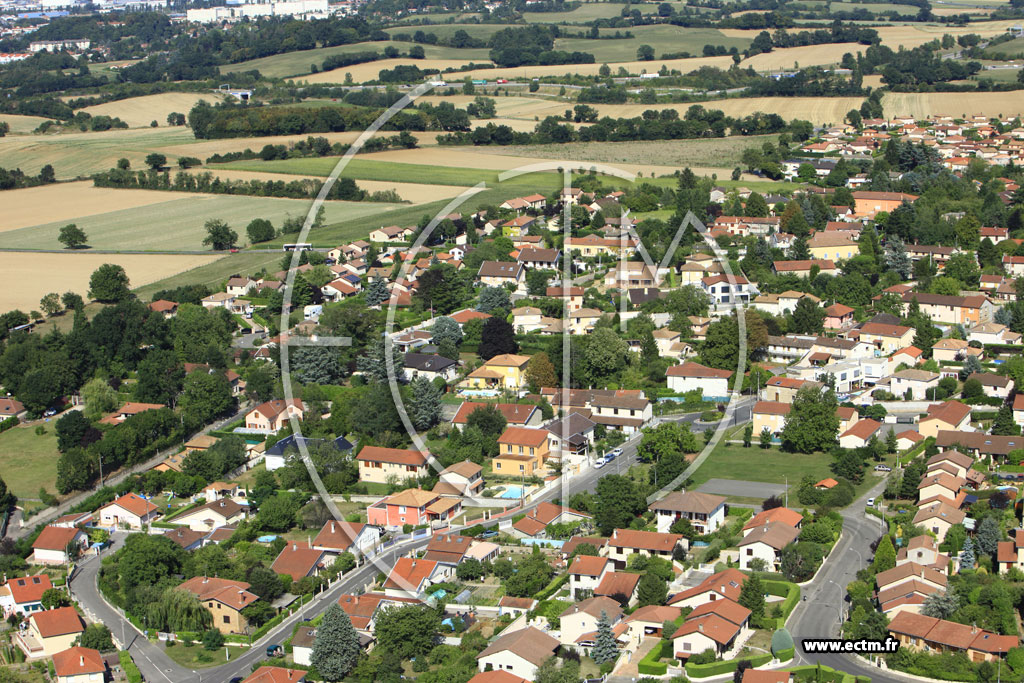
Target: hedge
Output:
[
  {"x": 787, "y": 654},
  {"x": 131, "y": 671},
  {"x": 791, "y": 591},
  {"x": 828, "y": 674},
  {"x": 720, "y": 668},
  {"x": 649, "y": 665},
  {"x": 9, "y": 423},
  {"x": 552, "y": 587}
]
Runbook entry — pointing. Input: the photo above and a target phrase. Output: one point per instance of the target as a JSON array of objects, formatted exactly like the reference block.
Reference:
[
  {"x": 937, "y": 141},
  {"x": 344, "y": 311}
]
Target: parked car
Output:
[
  {"x": 871, "y": 502},
  {"x": 275, "y": 651},
  {"x": 614, "y": 454},
  {"x": 599, "y": 463},
  {"x": 883, "y": 468}
]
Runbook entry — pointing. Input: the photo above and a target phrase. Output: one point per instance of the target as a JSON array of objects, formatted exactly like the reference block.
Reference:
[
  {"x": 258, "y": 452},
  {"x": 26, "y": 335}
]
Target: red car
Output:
[{"x": 234, "y": 250}]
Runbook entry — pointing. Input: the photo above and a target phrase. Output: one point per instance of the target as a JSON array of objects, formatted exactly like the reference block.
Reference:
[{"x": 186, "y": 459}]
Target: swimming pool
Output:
[
  {"x": 479, "y": 393},
  {"x": 512, "y": 492}
]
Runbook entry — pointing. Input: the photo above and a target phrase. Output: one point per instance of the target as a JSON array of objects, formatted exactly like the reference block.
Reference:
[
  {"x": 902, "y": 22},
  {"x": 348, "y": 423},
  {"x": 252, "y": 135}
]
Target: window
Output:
[
  {"x": 227, "y": 619},
  {"x": 401, "y": 509},
  {"x": 520, "y": 450}
]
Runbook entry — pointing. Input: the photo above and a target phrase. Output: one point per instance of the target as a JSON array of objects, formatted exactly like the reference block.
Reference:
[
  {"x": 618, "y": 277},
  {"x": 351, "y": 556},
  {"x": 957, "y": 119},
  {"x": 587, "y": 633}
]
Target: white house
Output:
[
  {"x": 705, "y": 511},
  {"x": 727, "y": 289},
  {"x": 690, "y": 376},
  {"x": 587, "y": 571},
  {"x": 130, "y": 510},
  {"x": 766, "y": 544},
  {"x": 57, "y": 545},
  {"x": 520, "y": 652}
]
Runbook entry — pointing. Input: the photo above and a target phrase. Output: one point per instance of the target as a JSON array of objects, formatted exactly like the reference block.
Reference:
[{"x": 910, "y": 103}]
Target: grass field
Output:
[
  {"x": 298, "y": 63},
  {"x": 68, "y": 202},
  {"x": 662, "y": 37},
  {"x": 28, "y": 460},
  {"x": 586, "y": 12},
  {"x": 176, "y": 224},
  {"x": 31, "y": 276},
  {"x": 921, "y": 105},
  {"x": 139, "y": 111},
  {"x": 1010, "y": 49},
  {"x": 21, "y": 124},
  {"x": 998, "y": 75},
  {"x": 196, "y": 657},
  {"x": 873, "y": 7},
  {"x": 362, "y": 169},
  {"x": 371, "y": 70},
  {"x": 214, "y": 272}
]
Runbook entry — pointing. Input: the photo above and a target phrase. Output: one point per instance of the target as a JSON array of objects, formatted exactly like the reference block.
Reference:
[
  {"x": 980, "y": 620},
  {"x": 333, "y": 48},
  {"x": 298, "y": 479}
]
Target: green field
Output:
[
  {"x": 1010, "y": 49},
  {"x": 998, "y": 75},
  {"x": 662, "y": 37},
  {"x": 876, "y": 7},
  {"x": 196, "y": 657},
  {"x": 298, "y": 63},
  {"x": 362, "y": 169},
  {"x": 28, "y": 461},
  {"x": 177, "y": 224},
  {"x": 213, "y": 274},
  {"x": 481, "y": 31},
  {"x": 586, "y": 12}
]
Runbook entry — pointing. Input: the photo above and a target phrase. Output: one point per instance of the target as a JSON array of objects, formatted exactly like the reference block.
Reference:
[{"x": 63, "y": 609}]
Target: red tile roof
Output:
[
  {"x": 296, "y": 561},
  {"x": 524, "y": 436},
  {"x": 588, "y": 565},
  {"x": 514, "y": 413},
  {"x": 55, "y": 538},
  {"x": 133, "y": 503},
  {"x": 27, "y": 589},
  {"x": 57, "y": 622},
  {"x": 275, "y": 674},
  {"x": 726, "y": 583},
  {"x": 644, "y": 540},
  {"x": 398, "y": 456},
  {"x": 78, "y": 661},
  {"x": 409, "y": 573}
]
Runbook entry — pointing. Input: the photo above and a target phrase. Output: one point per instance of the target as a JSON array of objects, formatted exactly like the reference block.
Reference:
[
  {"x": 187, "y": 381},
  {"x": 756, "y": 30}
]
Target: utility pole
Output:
[{"x": 786, "y": 477}]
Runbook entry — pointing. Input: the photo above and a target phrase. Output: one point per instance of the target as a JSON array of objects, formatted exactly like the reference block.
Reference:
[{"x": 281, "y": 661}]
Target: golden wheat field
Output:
[
  {"x": 912, "y": 36},
  {"x": 139, "y": 111},
  {"x": 922, "y": 105},
  {"x": 370, "y": 70},
  {"x": 31, "y": 276},
  {"x": 68, "y": 202},
  {"x": 21, "y": 124}
]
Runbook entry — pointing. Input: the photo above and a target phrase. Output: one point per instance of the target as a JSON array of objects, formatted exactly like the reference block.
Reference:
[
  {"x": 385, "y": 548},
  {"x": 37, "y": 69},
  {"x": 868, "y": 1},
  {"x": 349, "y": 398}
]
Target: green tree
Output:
[
  {"x": 72, "y": 236},
  {"x": 967, "y": 559},
  {"x": 497, "y": 337},
  {"x": 537, "y": 281},
  {"x": 99, "y": 397},
  {"x": 488, "y": 419},
  {"x": 941, "y": 604},
  {"x": 748, "y": 435},
  {"x": 377, "y": 293},
  {"x": 651, "y": 590},
  {"x": 212, "y": 640},
  {"x": 53, "y": 598},
  {"x": 618, "y": 502},
  {"x": 752, "y": 597},
  {"x": 156, "y": 161},
  {"x": 1004, "y": 424},
  {"x": 204, "y": 396},
  {"x": 336, "y": 645},
  {"x": 812, "y": 424},
  {"x": 425, "y": 404},
  {"x": 50, "y": 304},
  {"x": 109, "y": 283},
  {"x": 808, "y": 317},
  {"x": 605, "y": 650},
  {"x": 493, "y": 298},
  {"x": 260, "y": 230},
  {"x": 97, "y": 637},
  {"x": 885, "y": 556},
  {"x": 408, "y": 631},
  {"x": 540, "y": 372},
  {"x": 445, "y": 329},
  {"x": 765, "y": 437},
  {"x": 988, "y": 535},
  {"x": 219, "y": 236}
]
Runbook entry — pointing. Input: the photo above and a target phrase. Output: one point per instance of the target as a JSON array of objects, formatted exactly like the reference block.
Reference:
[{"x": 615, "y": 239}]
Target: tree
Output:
[
  {"x": 765, "y": 437},
  {"x": 50, "y": 304},
  {"x": 808, "y": 317},
  {"x": 53, "y": 598},
  {"x": 964, "y": 268},
  {"x": 812, "y": 424},
  {"x": 605, "y": 650},
  {"x": 967, "y": 555},
  {"x": 71, "y": 301},
  {"x": 97, "y": 637},
  {"x": 156, "y": 161},
  {"x": 109, "y": 283},
  {"x": 885, "y": 556},
  {"x": 537, "y": 281},
  {"x": 488, "y": 419},
  {"x": 73, "y": 429},
  {"x": 408, "y": 631},
  {"x": 891, "y": 442},
  {"x": 316, "y": 365},
  {"x": 72, "y": 237},
  {"x": 941, "y": 604},
  {"x": 260, "y": 230},
  {"x": 204, "y": 396},
  {"x": 425, "y": 405},
  {"x": 336, "y": 645},
  {"x": 445, "y": 329},
  {"x": 645, "y": 53},
  {"x": 748, "y": 435},
  {"x": 752, "y": 597},
  {"x": 219, "y": 236},
  {"x": 1004, "y": 424},
  {"x": 497, "y": 337},
  {"x": 99, "y": 397},
  {"x": 651, "y": 590},
  {"x": 212, "y": 640},
  {"x": 988, "y": 535},
  {"x": 377, "y": 293},
  {"x": 493, "y": 298},
  {"x": 618, "y": 502},
  {"x": 540, "y": 372}
]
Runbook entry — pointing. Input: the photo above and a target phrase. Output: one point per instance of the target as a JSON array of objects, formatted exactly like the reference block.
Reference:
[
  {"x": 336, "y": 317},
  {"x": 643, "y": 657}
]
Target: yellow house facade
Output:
[{"x": 506, "y": 371}]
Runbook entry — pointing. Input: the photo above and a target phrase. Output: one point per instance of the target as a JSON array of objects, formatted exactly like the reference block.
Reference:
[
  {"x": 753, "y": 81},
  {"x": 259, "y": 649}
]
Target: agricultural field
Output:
[
  {"x": 481, "y": 31},
  {"x": 1007, "y": 75},
  {"x": 586, "y": 12},
  {"x": 30, "y": 276},
  {"x": 29, "y": 460},
  {"x": 215, "y": 272},
  {"x": 876, "y": 7},
  {"x": 952, "y": 104},
  {"x": 21, "y": 124},
  {"x": 176, "y": 224},
  {"x": 663, "y": 38},
  {"x": 1012, "y": 49},
  {"x": 370, "y": 70},
  {"x": 69, "y": 202},
  {"x": 910, "y": 36},
  {"x": 140, "y": 111},
  {"x": 298, "y": 63}
]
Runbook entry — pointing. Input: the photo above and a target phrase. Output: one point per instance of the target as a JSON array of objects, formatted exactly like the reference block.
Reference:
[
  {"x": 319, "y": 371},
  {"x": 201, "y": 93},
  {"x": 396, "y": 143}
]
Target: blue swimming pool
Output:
[
  {"x": 512, "y": 492},
  {"x": 479, "y": 393}
]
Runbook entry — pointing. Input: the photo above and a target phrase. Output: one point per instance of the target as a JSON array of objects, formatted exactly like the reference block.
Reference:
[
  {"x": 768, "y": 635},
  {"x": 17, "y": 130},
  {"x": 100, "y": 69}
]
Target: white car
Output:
[
  {"x": 614, "y": 454},
  {"x": 599, "y": 463},
  {"x": 871, "y": 502}
]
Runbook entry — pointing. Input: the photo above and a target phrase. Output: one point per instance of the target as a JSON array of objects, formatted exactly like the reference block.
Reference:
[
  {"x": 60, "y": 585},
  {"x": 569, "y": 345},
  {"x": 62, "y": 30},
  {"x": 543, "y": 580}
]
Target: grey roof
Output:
[{"x": 428, "y": 362}]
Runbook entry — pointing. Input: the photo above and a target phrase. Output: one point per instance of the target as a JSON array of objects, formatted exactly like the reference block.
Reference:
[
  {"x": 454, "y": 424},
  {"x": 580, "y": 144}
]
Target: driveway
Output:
[{"x": 743, "y": 489}]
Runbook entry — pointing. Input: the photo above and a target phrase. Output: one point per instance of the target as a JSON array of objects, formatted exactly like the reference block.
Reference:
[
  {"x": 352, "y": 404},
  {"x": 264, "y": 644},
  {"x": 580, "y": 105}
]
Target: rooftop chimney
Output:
[
  {"x": 81, "y": 660},
  {"x": 700, "y": 627}
]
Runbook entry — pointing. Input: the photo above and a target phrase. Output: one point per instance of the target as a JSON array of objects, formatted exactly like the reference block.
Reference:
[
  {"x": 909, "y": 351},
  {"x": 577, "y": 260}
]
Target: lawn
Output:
[
  {"x": 29, "y": 461},
  {"x": 177, "y": 224},
  {"x": 298, "y": 63},
  {"x": 196, "y": 657},
  {"x": 214, "y": 273}
]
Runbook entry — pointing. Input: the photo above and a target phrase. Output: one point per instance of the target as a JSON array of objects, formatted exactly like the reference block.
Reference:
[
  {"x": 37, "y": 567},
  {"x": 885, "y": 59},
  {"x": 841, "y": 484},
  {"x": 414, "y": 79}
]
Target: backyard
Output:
[{"x": 28, "y": 460}]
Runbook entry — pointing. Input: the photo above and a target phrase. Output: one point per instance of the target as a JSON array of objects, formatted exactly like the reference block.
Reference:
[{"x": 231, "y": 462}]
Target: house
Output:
[
  {"x": 917, "y": 633},
  {"x": 224, "y": 599},
  {"x": 909, "y": 356},
  {"x": 955, "y": 310},
  {"x": 130, "y": 511},
  {"x": 10, "y": 408},
  {"x": 520, "y": 653},
  {"x": 648, "y": 621},
  {"x": 298, "y": 561},
  {"x": 412, "y": 506},
  {"x": 993, "y": 333},
  {"x": 979, "y": 444},
  {"x": 626, "y": 542},
  {"x": 705, "y": 512},
  {"x": 277, "y": 455},
  {"x": 1018, "y": 408},
  {"x": 572, "y": 297},
  {"x": 690, "y": 376},
  {"x": 726, "y": 289},
  {"x": 586, "y": 572},
  {"x": 58, "y": 545},
  {"x": 949, "y": 415},
  {"x": 497, "y": 677},
  {"x": 806, "y": 267},
  {"x": 186, "y": 538},
  {"x": 766, "y": 544},
  {"x": 276, "y": 674},
  {"x": 519, "y": 414},
  {"x": 578, "y": 622},
  {"x": 619, "y": 586},
  {"x": 505, "y": 371},
  {"x": 908, "y": 439},
  {"x": 129, "y": 409},
  {"x": 500, "y": 273},
  {"x": 724, "y": 585},
  {"x": 870, "y": 203},
  {"x": 337, "y": 537},
  {"x": 570, "y": 435},
  {"x": 449, "y": 549},
  {"x": 785, "y": 389},
  {"x": 914, "y": 383},
  {"x": 905, "y": 586},
  {"x": 1010, "y": 554},
  {"x": 460, "y": 479},
  {"x": 79, "y": 665},
  {"x": 543, "y": 259},
  {"x": 521, "y": 451},
  {"x": 430, "y": 366},
  {"x": 770, "y": 414},
  {"x": 49, "y": 632},
  {"x": 834, "y": 246},
  {"x": 411, "y": 577},
  {"x": 924, "y": 551},
  {"x": 391, "y": 233},
  {"x": 720, "y": 626},
  {"x": 938, "y": 517},
  {"x": 826, "y": 484},
  {"x": 24, "y": 594},
  {"x": 994, "y": 386},
  {"x": 383, "y": 465},
  {"x": 767, "y": 676},
  {"x": 536, "y": 521},
  {"x": 860, "y": 434},
  {"x": 771, "y": 516},
  {"x": 949, "y": 350},
  {"x": 167, "y": 309},
  {"x": 270, "y": 416},
  {"x": 216, "y": 513},
  {"x": 886, "y": 338},
  {"x": 622, "y": 411},
  {"x": 838, "y": 316}
]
